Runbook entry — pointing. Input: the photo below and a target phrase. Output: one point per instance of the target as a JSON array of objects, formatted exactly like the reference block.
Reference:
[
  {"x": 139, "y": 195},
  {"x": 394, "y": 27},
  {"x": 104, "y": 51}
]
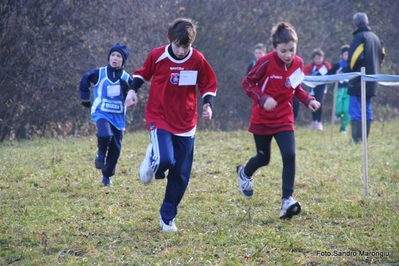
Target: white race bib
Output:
[
  {"x": 296, "y": 78},
  {"x": 113, "y": 90},
  {"x": 188, "y": 77},
  {"x": 323, "y": 70}
]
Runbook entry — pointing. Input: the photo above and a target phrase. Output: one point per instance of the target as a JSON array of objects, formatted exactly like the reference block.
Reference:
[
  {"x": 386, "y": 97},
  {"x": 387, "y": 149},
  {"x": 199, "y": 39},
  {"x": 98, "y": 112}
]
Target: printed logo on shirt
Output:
[
  {"x": 174, "y": 78},
  {"x": 288, "y": 84},
  {"x": 276, "y": 77},
  {"x": 111, "y": 106}
]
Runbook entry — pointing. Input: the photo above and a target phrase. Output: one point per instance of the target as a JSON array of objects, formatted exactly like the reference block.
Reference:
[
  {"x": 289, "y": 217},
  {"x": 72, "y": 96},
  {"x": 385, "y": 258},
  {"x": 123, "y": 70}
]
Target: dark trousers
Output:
[
  {"x": 355, "y": 113},
  {"x": 319, "y": 93},
  {"x": 286, "y": 142},
  {"x": 295, "y": 106},
  {"x": 174, "y": 154},
  {"x": 109, "y": 142}
]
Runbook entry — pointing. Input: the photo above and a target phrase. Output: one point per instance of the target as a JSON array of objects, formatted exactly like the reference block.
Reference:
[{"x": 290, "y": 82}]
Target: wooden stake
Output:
[
  {"x": 333, "y": 109},
  {"x": 364, "y": 133}
]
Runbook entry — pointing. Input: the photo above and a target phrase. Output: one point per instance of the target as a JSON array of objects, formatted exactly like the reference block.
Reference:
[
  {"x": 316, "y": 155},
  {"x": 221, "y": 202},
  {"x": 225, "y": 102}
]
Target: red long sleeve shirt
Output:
[{"x": 270, "y": 77}]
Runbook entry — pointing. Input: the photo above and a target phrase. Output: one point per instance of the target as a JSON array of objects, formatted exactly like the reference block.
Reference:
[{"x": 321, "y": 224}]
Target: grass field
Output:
[{"x": 54, "y": 211}]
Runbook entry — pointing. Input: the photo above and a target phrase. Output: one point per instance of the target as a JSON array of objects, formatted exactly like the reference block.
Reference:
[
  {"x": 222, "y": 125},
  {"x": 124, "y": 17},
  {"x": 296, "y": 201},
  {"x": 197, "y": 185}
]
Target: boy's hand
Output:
[
  {"x": 314, "y": 105},
  {"x": 206, "y": 112},
  {"x": 131, "y": 99},
  {"x": 270, "y": 104}
]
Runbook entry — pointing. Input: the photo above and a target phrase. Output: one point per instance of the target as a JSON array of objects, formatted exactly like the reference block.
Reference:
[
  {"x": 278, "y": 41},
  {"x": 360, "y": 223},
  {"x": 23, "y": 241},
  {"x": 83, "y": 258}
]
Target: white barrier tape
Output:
[
  {"x": 388, "y": 84},
  {"x": 385, "y": 80},
  {"x": 381, "y": 77}
]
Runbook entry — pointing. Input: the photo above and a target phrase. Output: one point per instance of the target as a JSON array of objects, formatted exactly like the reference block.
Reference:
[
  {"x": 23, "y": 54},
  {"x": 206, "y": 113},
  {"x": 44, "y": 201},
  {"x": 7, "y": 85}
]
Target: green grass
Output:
[{"x": 54, "y": 211}]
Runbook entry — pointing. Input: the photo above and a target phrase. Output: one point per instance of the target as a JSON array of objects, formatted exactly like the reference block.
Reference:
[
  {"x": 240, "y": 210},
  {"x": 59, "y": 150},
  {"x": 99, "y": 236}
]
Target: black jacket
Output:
[{"x": 366, "y": 50}]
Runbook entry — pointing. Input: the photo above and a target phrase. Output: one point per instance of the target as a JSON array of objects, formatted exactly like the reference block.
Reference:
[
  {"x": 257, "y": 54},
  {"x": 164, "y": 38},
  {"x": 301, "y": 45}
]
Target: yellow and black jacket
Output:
[{"x": 366, "y": 50}]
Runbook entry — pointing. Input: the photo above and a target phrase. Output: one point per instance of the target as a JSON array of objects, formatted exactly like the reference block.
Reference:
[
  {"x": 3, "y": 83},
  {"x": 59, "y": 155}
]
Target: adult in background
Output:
[{"x": 366, "y": 50}]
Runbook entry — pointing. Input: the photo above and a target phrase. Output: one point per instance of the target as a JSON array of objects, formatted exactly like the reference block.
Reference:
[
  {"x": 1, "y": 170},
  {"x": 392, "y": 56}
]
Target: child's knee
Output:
[
  {"x": 289, "y": 157},
  {"x": 262, "y": 158},
  {"x": 166, "y": 162},
  {"x": 104, "y": 136}
]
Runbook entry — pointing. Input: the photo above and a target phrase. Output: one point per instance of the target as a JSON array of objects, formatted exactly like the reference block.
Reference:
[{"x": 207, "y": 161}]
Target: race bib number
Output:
[
  {"x": 296, "y": 78},
  {"x": 188, "y": 77},
  {"x": 323, "y": 70},
  {"x": 113, "y": 90}
]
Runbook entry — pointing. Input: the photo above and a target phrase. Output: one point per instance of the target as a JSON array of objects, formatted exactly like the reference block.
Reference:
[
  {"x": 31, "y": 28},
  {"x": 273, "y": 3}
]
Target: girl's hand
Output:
[
  {"x": 270, "y": 104},
  {"x": 314, "y": 105}
]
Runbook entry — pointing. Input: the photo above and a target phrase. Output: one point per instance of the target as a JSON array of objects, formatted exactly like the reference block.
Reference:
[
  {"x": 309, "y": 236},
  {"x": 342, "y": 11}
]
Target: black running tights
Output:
[{"x": 286, "y": 142}]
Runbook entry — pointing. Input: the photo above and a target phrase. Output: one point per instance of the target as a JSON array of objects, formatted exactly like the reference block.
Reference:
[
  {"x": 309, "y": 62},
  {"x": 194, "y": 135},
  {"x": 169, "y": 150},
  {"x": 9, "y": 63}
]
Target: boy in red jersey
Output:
[
  {"x": 176, "y": 70},
  {"x": 271, "y": 84}
]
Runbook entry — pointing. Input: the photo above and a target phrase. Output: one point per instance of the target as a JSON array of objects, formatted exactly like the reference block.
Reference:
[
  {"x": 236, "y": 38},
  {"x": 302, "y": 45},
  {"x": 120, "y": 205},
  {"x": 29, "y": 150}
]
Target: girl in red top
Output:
[{"x": 271, "y": 84}]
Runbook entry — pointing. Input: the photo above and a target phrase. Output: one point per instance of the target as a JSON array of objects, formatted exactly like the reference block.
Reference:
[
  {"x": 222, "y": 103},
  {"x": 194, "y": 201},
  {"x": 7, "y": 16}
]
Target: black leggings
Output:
[
  {"x": 319, "y": 93},
  {"x": 286, "y": 142}
]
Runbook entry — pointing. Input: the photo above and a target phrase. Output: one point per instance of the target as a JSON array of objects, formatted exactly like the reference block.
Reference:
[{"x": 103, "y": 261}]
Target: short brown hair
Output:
[
  {"x": 183, "y": 31},
  {"x": 283, "y": 32},
  {"x": 318, "y": 52}
]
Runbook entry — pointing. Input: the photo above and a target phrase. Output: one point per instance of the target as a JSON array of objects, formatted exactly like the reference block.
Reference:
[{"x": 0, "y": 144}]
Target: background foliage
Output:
[{"x": 47, "y": 45}]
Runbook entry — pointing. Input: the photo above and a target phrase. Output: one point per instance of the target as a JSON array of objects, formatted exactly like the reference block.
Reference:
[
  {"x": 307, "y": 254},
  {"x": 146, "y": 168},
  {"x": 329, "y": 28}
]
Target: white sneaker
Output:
[
  {"x": 319, "y": 126},
  {"x": 171, "y": 227},
  {"x": 289, "y": 208},
  {"x": 246, "y": 187},
  {"x": 145, "y": 170}
]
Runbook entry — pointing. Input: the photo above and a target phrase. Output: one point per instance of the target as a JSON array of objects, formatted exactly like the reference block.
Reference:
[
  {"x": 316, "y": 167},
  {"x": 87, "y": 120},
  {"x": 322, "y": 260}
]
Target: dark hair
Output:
[
  {"x": 283, "y": 32},
  {"x": 183, "y": 31},
  {"x": 318, "y": 52},
  {"x": 345, "y": 48},
  {"x": 360, "y": 19}
]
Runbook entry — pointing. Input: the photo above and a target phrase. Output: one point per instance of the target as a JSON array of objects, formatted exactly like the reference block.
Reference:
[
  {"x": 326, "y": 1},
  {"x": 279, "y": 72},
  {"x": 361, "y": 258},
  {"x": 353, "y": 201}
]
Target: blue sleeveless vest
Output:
[{"x": 108, "y": 102}]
